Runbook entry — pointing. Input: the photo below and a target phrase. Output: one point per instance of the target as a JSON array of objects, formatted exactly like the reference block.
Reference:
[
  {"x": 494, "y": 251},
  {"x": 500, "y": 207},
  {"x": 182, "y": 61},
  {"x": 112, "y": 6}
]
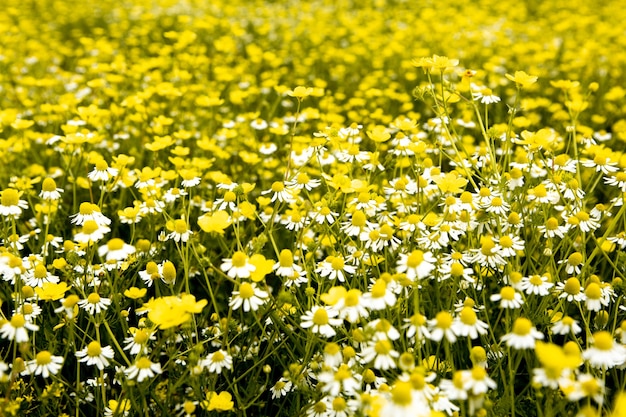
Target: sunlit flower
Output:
[
  {"x": 95, "y": 354},
  {"x": 249, "y": 296},
  {"x": 10, "y": 203},
  {"x": 217, "y": 361},
  {"x": 16, "y": 329},
  {"x": 49, "y": 190},
  {"x": 94, "y": 304},
  {"x": 416, "y": 265},
  {"x": 44, "y": 364},
  {"x": 142, "y": 369},
  {"x": 321, "y": 320},
  {"x": 523, "y": 336},
  {"x": 508, "y": 297},
  {"x": 102, "y": 172},
  {"x": 238, "y": 266},
  {"x": 605, "y": 353}
]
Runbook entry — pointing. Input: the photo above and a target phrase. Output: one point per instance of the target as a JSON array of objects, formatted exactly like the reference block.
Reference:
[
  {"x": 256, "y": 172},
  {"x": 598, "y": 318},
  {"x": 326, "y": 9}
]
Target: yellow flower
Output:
[
  {"x": 52, "y": 291},
  {"x": 450, "y": 183},
  {"x": 522, "y": 79},
  {"x": 220, "y": 402},
  {"x": 135, "y": 293},
  {"x": 215, "y": 223},
  {"x": 300, "y": 92},
  {"x": 379, "y": 134},
  {"x": 263, "y": 267}
]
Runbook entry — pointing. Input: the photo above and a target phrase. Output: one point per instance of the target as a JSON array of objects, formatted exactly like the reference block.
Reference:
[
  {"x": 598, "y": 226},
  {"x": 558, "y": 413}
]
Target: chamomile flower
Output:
[
  {"x": 281, "y": 388},
  {"x": 44, "y": 364},
  {"x": 477, "y": 382},
  {"x": 181, "y": 232},
  {"x": 238, "y": 266},
  {"x": 571, "y": 290},
  {"x": 523, "y": 336},
  {"x": 468, "y": 324},
  {"x": 536, "y": 284},
  {"x": 567, "y": 325},
  {"x": 417, "y": 265},
  {"x": 605, "y": 353},
  {"x": 94, "y": 304},
  {"x": 442, "y": 326},
  {"x": 341, "y": 380},
  {"x": 508, "y": 298},
  {"x": 335, "y": 268},
  {"x": 382, "y": 353},
  {"x": 248, "y": 296},
  {"x": 217, "y": 361},
  {"x": 321, "y": 320},
  {"x": 142, "y": 369},
  {"x": 49, "y": 190},
  {"x": 281, "y": 192},
  {"x": 17, "y": 329},
  {"x": 102, "y": 172},
  {"x": 91, "y": 232},
  {"x": 116, "y": 249},
  {"x": 10, "y": 203},
  {"x": 96, "y": 354},
  {"x": 137, "y": 342}
]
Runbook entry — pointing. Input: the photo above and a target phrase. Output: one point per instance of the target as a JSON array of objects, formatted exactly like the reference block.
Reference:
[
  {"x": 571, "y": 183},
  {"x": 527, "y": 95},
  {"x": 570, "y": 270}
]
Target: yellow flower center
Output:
[
  {"x": 507, "y": 293},
  {"x": 415, "y": 258},
  {"x": 48, "y": 185},
  {"x": 141, "y": 337},
  {"x": 94, "y": 349},
  {"x": 383, "y": 347},
  {"x": 522, "y": 326},
  {"x": 572, "y": 286},
  {"x": 468, "y": 316},
  {"x": 337, "y": 263},
  {"x": 478, "y": 373},
  {"x": 93, "y": 298},
  {"x": 320, "y": 317},
  {"x": 18, "y": 321},
  {"x": 43, "y": 358},
  {"x": 536, "y": 280},
  {"x": 246, "y": 290},
  {"x": 102, "y": 165},
  {"x": 278, "y": 186},
  {"x": 143, "y": 363},
  {"x": 230, "y": 197},
  {"x": 40, "y": 271},
  {"x": 239, "y": 259},
  {"x": 10, "y": 197},
  {"x": 575, "y": 259},
  {"x": 444, "y": 320},
  {"x": 343, "y": 372},
  {"x": 379, "y": 288},
  {"x": 352, "y": 297},
  {"x": 506, "y": 241},
  {"x": 603, "y": 340},
  {"x": 401, "y": 393},
  {"x": 285, "y": 258},
  {"x": 593, "y": 291},
  {"x": 90, "y": 226},
  {"x": 339, "y": 404},
  {"x": 180, "y": 226},
  {"x": 358, "y": 218},
  {"x": 217, "y": 356},
  {"x": 115, "y": 244}
]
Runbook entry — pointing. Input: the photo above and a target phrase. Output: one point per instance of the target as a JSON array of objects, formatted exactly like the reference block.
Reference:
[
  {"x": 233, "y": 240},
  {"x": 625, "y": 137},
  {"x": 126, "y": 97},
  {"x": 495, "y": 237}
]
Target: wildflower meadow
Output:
[{"x": 312, "y": 208}]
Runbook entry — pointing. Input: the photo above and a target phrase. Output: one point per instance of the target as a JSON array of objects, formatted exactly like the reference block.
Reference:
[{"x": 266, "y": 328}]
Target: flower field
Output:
[{"x": 321, "y": 208}]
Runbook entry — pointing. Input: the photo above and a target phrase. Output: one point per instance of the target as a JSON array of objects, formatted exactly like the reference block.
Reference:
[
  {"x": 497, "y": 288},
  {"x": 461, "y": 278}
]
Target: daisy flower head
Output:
[
  {"x": 281, "y": 388},
  {"x": 217, "y": 361},
  {"x": 321, "y": 320},
  {"x": 595, "y": 298},
  {"x": 567, "y": 325},
  {"x": 381, "y": 353},
  {"x": 523, "y": 336},
  {"x": 91, "y": 232},
  {"x": 605, "y": 353},
  {"x": 417, "y": 264},
  {"x": 477, "y": 382},
  {"x": 102, "y": 171},
  {"x": 508, "y": 298},
  {"x": 49, "y": 190},
  {"x": 402, "y": 400},
  {"x": 180, "y": 231},
  {"x": 536, "y": 284},
  {"x": 10, "y": 203},
  {"x": 341, "y": 380},
  {"x": 335, "y": 268},
  {"x": 96, "y": 354},
  {"x": 116, "y": 249},
  {"x": 238, "y": 266},
  {"x": 94, "y": 304},
  {"x": 137, "y": 342},
  {"x": 281, "y": 192},
  {"x": 142, "y": 369},
  {"x": 442, "y": 325},
  {"x": 249, "y": 296},
  {"x": 17, "y": 329},
  {"x": 468, "y": 324},
  {"x": 571, "y": 290},
  {"x": 44, "y": 364}
]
